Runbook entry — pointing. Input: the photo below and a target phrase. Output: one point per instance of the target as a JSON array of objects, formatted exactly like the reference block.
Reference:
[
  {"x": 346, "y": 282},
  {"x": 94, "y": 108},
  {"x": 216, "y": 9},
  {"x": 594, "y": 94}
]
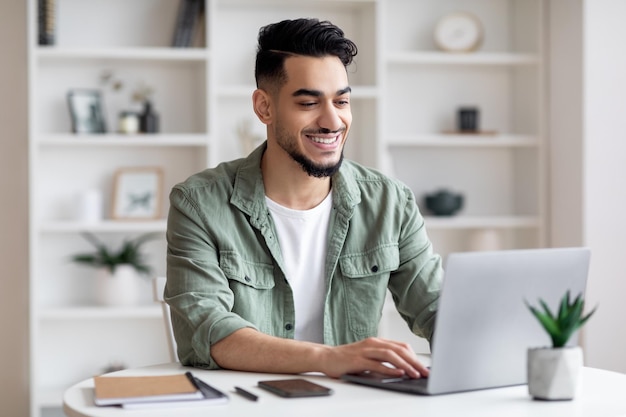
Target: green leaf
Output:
[
  {"x": 128, "y": 253},
  {"x": 562, "y": 325}
]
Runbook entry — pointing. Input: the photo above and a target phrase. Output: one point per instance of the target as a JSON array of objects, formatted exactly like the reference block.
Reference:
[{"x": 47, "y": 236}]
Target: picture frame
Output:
[
  {"x": 137, "y": 193},
  {"x": 86, "y": 111}
]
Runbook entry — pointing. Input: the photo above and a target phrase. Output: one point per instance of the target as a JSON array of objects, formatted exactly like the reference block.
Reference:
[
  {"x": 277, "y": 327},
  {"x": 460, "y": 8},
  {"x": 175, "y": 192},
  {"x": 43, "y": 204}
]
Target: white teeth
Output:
[{"x": 323, "y": 140}]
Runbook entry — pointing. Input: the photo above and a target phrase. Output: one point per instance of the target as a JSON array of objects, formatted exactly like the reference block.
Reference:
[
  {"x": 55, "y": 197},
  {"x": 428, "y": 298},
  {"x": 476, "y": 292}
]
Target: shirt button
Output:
[
  {"x": 288, "y": 326},
  {"x": 375, "y": 268},
  {"x": 247, "y": 278}
]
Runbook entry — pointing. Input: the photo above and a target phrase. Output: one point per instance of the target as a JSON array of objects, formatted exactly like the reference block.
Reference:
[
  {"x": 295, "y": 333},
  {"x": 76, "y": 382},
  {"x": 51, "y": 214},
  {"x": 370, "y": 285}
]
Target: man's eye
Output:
[
  {"x": 308, "y": 104},
  {"x": 343, "y": 102}
]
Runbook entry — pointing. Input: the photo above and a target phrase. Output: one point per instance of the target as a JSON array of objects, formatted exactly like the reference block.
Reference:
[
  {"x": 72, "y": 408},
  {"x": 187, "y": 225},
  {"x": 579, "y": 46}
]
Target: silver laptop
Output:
[{"x": 483, "y": 326}]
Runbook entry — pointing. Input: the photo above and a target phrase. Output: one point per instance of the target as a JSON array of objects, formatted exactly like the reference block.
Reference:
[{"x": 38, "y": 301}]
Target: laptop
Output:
[{"x": 483, "y": 327}]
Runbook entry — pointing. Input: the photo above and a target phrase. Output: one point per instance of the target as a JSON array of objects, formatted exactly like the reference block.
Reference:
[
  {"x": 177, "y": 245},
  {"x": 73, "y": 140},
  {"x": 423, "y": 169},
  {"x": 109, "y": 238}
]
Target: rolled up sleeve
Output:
[{"x": 197, "y": 289}]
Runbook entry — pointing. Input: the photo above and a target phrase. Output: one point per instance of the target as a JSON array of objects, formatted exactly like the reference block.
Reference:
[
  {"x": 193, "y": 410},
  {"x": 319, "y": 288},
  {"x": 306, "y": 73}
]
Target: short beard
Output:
[
  {"x": 314, "y": 170},
  {"x": 308, "y": 166}
]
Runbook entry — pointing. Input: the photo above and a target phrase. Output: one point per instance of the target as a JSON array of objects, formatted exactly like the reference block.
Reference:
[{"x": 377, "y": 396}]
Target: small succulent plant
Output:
[{"x": 561, "y": 325}]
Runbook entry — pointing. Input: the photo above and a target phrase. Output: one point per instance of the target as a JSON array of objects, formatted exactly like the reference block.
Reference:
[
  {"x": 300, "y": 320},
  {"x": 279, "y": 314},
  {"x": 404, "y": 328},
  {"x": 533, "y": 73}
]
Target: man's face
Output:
[{"x": 313, "y": 113}]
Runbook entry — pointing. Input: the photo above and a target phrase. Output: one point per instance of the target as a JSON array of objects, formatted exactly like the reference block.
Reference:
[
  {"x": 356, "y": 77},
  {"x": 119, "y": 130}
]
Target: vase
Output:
[
  {"x": 148, "y": 119},
  {"x": 553, "y": 373},
  {"x": 121, "y": 288}
]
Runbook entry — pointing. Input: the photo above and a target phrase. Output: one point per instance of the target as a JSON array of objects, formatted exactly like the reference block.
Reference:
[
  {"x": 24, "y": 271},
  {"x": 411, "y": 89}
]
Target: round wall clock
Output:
[{"x": 458, "y": 32}]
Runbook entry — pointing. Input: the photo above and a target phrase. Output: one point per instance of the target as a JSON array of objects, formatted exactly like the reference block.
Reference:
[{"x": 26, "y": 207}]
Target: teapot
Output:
[{"x": 443, "y": 202}]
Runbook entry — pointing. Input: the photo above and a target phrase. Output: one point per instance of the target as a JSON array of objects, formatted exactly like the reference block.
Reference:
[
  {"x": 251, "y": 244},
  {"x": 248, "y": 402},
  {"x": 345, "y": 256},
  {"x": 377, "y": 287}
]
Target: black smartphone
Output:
[{"x": 297, "y": 387}]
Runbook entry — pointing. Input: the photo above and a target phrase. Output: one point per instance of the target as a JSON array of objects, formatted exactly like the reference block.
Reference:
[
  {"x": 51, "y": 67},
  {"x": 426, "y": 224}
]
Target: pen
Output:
[
  {"x": 193, "y": 380},
  {"x": 246, "y": 394}
]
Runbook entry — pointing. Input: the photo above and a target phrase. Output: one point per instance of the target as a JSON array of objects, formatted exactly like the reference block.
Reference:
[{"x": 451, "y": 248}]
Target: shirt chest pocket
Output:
[
  {"x": 365, "y": 277},
  {"x": 251, "y": 284}
]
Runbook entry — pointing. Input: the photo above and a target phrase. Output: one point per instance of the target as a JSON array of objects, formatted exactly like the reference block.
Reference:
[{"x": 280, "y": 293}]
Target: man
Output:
[{"x": 280, "y": 262}]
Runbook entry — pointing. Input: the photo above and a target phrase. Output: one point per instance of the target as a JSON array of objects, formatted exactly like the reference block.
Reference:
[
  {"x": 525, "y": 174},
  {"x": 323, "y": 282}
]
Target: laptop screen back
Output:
[{"x": 484, "y": 327}]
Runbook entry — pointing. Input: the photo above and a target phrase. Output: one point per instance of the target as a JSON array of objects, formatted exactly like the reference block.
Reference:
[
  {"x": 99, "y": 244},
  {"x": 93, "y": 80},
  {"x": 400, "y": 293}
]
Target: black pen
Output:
[
  {"x": 193, "y": 380},
  {"x": 246, "y": 394}
]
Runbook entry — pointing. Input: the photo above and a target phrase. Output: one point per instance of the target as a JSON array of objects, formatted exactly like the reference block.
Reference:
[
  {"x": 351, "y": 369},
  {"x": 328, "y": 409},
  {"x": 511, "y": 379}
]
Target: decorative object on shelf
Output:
[
  {"x": 189, "y": 21},
  {"x": 117, "y": 271},
  {"x": 458, "y": 32},
  {"x": 46, "y": 19},
  {"x": 118, "y": 289},
  {"x": 443, "y": 202},
  {"x": 137, "y": 193},
  {"x": 247, "y": 138},
  {"x": 128, "y": 122},
  {"x": 553, "y": 371},
  {"x": 468, "y": 122},
  {"x": 108, "y": 79},
  {"x": 468, "y": 119},
  {"x": 484, "y": 240},
  {"x": 148, "y": 119},
  {"x": 89, "y": 207},
  {"x": 86, "y": 111}
]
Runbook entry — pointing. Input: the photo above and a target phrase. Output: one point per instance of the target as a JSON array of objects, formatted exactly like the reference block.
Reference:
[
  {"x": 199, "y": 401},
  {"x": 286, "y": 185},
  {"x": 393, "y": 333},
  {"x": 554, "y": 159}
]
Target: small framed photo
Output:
[
  {"x": 86, "y": 111},
  {"x": 137, "y": 193}
]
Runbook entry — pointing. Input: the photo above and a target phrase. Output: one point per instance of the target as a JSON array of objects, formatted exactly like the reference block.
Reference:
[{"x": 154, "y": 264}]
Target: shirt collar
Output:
[{"x": 249, "y": 191}]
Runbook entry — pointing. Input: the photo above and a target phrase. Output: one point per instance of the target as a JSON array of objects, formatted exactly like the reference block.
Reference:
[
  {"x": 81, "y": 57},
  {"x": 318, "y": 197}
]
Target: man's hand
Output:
[
  {"x": 250, "y": 350},
  {"x": 373, "y": 354}
]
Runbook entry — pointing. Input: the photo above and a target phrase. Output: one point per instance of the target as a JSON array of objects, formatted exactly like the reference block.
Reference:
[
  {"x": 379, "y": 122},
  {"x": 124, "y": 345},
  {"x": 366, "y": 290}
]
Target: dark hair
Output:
[{"x": 309, "y": 37}]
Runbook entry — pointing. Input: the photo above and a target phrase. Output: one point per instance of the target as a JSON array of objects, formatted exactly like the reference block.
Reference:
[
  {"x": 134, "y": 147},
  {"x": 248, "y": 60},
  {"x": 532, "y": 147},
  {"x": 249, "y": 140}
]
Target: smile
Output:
[{"x": 325, "y": 141}]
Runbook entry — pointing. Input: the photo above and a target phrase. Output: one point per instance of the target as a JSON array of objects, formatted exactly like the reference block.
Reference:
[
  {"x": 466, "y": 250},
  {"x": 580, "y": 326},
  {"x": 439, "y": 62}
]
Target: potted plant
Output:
[
  {"x": 117, "y": 271},
  {"x": 553, "y": 371}
]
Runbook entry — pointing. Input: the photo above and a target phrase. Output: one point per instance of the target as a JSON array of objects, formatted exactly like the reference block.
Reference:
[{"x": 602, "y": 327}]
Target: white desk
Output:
[{"x": 601, "y": 394}]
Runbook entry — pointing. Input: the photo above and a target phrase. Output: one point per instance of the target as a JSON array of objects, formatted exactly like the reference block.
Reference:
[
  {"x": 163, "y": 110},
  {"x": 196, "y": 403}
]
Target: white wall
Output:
[
  {"x": 13, "y": 210},
  {"x": 588, "y": 159},
  {"x": 605, "y": 176}
]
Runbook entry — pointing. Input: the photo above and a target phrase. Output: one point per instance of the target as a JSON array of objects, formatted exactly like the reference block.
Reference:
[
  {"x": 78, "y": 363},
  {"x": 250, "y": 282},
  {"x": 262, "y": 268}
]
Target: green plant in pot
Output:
[
  {"x": 553, "y": 371},
  {"x": 117, "y": 270}
]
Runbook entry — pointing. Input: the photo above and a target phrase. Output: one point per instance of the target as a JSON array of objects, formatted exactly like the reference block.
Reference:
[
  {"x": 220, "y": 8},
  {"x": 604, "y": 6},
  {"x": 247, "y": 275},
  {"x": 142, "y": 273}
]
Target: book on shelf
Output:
[
  {"x": 137, "y": 392},
  {"x": 189, "y": 21},
  {"x": 46, "y": 21}
]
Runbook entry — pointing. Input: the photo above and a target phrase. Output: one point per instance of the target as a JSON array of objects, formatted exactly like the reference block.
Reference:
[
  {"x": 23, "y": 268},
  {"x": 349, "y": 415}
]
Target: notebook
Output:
[
  {"x": 158, "y": 390},
  {"x": 483, "y": 327}
]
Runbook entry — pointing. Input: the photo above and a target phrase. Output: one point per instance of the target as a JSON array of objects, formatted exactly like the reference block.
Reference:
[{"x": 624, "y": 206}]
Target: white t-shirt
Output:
[{"x": 303, "y": 235}]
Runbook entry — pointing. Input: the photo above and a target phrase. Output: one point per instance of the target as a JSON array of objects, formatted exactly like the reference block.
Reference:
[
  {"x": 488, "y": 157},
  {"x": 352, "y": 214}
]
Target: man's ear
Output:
[{"x": 261, "y": 102}]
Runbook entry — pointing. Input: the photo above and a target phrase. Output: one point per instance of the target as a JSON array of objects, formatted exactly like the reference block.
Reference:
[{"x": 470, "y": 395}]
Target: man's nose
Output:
[{"x": 329, "y": 118}]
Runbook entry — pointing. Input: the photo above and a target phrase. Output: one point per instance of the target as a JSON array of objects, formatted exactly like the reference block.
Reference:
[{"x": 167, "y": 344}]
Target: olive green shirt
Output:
[{"x": 225, "y": 268}]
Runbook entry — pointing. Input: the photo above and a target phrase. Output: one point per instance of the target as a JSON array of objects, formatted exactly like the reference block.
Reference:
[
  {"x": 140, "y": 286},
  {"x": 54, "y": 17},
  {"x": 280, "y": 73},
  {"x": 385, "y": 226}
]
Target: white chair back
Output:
[{"x": 158, "y": 287}]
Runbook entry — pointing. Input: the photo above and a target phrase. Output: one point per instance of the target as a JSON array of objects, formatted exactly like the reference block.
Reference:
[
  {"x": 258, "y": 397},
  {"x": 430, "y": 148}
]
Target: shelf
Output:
[
  {"x": 112, "y": 226},
  {"x": 112, "y": 139},
  {"x": 477, "y": 58},
  {"x": 103, "y": 313},
  {"x": 481, "y": 222},
  {"x": 156, "y": 54},
  {"x": 460, "y": 140}
]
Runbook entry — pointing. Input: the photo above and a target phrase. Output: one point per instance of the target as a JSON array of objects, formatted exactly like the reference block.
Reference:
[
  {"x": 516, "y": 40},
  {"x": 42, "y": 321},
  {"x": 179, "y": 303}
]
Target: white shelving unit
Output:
[
  {"x": 501, "y": 175},
  {"x": 405, "y": 94}
]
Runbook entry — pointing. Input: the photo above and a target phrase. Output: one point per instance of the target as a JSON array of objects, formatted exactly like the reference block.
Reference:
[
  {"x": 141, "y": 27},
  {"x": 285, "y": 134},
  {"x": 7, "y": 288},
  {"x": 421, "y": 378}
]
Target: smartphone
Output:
[{"x": 297, "y": 387}]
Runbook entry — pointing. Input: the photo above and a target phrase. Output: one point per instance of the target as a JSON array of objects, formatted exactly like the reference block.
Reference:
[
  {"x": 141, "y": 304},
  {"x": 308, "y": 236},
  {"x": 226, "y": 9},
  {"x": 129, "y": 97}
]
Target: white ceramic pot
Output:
[
  {"x": 553, "y": 372},
  {"x": 119, "y": 289}
]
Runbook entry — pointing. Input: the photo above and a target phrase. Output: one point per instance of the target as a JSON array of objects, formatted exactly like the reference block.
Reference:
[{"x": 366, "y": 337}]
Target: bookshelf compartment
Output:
[
  {"x": 178, "y": 92},
  {"x": 116, "y": 23}
]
